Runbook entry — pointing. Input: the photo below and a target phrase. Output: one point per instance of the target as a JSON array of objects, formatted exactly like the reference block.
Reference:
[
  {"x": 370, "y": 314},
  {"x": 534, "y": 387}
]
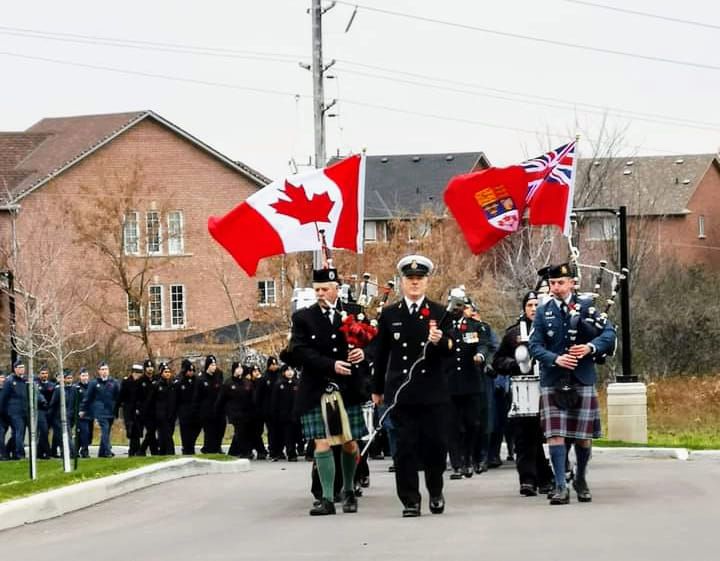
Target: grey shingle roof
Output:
[
  {"x": 647, "y": 185},
  {"x": 405, "y": 185}
]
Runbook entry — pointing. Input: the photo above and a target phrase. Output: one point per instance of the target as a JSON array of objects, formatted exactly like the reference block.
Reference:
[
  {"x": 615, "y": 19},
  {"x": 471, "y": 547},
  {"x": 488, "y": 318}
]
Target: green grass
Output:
[
  {"x": 15, "y": 481},
  {"x": 692, "y": 440}
]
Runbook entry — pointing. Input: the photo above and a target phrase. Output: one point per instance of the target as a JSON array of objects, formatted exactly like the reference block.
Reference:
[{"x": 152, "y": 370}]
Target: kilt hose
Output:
[
  {"x": 580, "y": 423},
  {"x": 313, "y": 426}
]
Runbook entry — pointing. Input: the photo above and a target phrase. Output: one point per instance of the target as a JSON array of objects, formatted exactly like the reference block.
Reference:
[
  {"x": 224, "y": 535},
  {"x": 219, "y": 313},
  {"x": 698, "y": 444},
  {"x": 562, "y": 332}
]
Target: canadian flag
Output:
[{"x": 287, "y": 215}]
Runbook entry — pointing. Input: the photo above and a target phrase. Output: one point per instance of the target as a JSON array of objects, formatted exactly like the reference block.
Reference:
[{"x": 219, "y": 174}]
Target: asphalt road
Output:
[{"x": 643, "y": 509}]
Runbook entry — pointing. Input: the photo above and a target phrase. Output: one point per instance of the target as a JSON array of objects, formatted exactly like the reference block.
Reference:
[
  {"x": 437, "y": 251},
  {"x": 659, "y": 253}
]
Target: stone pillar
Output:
[{"x": 627, "y": 412}]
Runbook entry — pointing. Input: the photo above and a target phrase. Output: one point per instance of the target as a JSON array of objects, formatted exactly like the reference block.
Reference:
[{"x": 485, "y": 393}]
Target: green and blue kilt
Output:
[{"x": 313, "y": 425}]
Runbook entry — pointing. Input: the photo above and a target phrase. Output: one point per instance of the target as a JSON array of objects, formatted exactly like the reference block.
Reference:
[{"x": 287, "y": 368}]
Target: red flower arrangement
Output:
[
  {"x": 358, "y": 333},
  {"x": 425, "y": 312}
]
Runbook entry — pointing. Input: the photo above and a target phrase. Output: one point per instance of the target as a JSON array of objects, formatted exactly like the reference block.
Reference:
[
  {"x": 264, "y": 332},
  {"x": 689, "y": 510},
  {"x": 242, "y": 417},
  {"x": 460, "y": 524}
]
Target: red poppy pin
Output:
[{"x": 425, "y": 312}]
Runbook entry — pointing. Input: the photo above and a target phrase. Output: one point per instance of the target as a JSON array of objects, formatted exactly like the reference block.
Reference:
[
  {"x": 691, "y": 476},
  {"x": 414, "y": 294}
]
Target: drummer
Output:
[{"x": 513, "y": 359}]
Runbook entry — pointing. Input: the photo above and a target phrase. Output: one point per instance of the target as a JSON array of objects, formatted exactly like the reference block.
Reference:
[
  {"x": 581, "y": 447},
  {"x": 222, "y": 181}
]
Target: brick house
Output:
[
  {"x": 673, "y": 204},
  {"x": 61, "y": 170}
]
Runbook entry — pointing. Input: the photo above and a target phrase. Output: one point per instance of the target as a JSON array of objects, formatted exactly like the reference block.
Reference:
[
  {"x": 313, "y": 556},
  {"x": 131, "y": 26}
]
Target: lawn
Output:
[{"x": 15, "y": 482}]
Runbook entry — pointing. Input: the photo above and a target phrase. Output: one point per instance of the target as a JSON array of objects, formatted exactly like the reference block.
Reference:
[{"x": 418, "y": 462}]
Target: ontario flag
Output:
[
  {"x": 490, "y": 204},
  {"x": 287, "y": 215}
]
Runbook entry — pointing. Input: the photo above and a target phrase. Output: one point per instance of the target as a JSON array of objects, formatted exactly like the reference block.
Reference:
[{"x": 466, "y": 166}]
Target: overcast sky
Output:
[{"x": 403, "y": 85}]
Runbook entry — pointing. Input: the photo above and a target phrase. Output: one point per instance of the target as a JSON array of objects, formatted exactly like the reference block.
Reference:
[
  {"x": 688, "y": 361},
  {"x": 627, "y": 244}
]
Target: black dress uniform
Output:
[
  {"x": 263, "y": 398},
  {"x": 145, "y": 421},
  {"x": 185, "y": 407},
  {"x": 468, "y": 391},
  {"x": 213, "y": 424},
  {"x": 236, "y": 402},
  {"x": 160, "y": 406},
  {"x": 283, "y": 406},
  {"x": 127, "y": 400},
  {"x": 420, "y": 416}
]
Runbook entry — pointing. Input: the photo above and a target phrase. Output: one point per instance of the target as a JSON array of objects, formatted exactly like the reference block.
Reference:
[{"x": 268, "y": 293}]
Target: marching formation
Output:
[{"x": 432, "y": 379}]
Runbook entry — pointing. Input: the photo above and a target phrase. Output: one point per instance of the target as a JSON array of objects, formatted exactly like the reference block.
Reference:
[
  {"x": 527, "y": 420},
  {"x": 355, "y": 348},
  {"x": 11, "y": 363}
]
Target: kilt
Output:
[
  {"x": 582, "y": 422},
  {"x": 313, "y": 425}
]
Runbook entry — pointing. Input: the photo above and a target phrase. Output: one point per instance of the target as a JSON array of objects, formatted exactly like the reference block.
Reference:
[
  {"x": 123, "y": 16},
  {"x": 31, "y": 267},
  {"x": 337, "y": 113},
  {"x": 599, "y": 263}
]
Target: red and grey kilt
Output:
[
  {"x": 313, "y": 425},
  {"x": 582, "y": 422}
]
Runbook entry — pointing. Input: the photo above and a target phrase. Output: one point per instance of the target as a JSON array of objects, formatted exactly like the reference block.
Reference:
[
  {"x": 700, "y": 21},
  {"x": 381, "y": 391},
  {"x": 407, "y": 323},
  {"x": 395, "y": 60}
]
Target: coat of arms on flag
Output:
[{"x": 500, "y": 210}]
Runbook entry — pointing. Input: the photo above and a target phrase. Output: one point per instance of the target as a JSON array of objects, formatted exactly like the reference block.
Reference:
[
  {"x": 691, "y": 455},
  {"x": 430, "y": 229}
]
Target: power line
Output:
[
  {"x": 559, "y": 104},
  {"x": 644, "y": 14},
  {"x": 154, "y": 75},
  {"x": 177, "y": 48},
  {"x": 294, "y": 95},
  {"x": 532, "y": 38}
]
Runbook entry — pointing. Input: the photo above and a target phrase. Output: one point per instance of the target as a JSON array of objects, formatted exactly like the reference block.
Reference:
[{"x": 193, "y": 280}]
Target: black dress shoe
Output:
[
  {"x": 456, "y": 474},
  {"x": 437, "y": 504},
  {"x": 528, "y": 490},
  {"x": 365, "y": 481},
  {"x": 545, "y": 488},
  {"x": 411, "y": 511},
  {"x": 391, "y": 468},
  {"x": 560, "y": 496},
  {"x": 494, "y": 463},
  {"x": 322, "y": 508},
  {"x": 582, "y": 490},
  {"x": 468, "y": 471},
  {"x": 480, "y": 468},
  {"x": 350, "y": 503}
]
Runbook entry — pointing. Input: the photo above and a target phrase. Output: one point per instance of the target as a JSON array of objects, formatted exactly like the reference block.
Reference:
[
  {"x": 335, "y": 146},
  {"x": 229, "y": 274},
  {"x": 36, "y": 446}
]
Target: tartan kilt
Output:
[
  {"x": 582, "y": 422},
  {"x": 313, "y": 425}
]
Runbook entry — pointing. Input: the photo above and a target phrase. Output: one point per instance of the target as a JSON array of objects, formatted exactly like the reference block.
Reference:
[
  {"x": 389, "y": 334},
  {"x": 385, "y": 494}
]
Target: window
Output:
[
  {"x": 370, "y": 231},
  {"x": 600, "y": 228},
  {"x": 266, "y": 289},
  {"x": 701, "y": 227},
  {"x": 155, "y": 307},
  {"x": 177, "y": 305},
  {"x": 175, "y": 233},
  {"x": 133, "y": 311},
  {"x": 131, "y": 234},
  {"x": 154, "y": 239}
]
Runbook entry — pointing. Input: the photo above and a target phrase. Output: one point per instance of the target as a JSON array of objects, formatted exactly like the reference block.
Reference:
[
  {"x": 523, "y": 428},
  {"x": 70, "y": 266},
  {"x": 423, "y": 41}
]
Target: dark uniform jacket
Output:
[
  {"x": 14, "y": 397},
  {"x": 99, "y": 401},
  {"x": 46, "y": 388},
  {"x": 263, "y": 393},
  {"x": 550, "y": 338},
  {"x": 127, "y": 399},
  {"x": 470, "y": 337},
  {"x": 160, "y": 403},
  {"x": 207, "y": 389},
  {"x": 143, "y": 387},
  {"x": 235, "y": 400},
  {"x": 504, "y": 362},
  {"x": 283, "y": 399},
  {"x": 184, "y": 389},
  {"x": 81, "y": 390},
  {"x": 71, "y": 402},
  {"x": 316, "y": 345},
  {"x": 399, "y": 343}
]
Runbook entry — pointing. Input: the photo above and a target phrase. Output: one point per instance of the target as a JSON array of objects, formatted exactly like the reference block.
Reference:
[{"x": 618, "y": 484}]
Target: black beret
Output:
[
  {"x": 148, "y": 363},
  {"x": 531, "y": 295}
]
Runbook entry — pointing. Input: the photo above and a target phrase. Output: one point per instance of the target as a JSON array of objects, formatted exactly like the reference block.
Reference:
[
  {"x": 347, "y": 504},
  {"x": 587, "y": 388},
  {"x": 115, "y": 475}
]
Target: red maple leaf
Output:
[{"x": 315, "y": 209}]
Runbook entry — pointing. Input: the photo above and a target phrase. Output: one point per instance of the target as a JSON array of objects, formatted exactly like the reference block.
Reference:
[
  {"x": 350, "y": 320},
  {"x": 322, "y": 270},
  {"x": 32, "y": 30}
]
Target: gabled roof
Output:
[
  {"x": 228, "y": 334},
  {"x": 647, "y": 185},
  {"x": 405, "y": 185},
  {"x": 30, "y": 159}
]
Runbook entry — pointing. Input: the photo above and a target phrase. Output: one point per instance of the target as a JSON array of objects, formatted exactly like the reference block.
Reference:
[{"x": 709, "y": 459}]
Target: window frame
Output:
[
  {"x": 136, "y": 214},
  {"x": 172, "y": 307},
  {"x": 608, "y": 235},
  {"x": 263, "y": 299},
  {"x": 159, "y": 232},
  {"x": 701, "y": 227},
  {"x": 132, "y": 327},
  {"x": 162, "y": 307},
  {"x": 172, "y": 238}
]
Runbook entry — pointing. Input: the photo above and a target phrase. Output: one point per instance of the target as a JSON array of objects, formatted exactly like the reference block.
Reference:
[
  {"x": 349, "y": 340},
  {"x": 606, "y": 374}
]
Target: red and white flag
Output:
[{"x": 287, "y": 215}]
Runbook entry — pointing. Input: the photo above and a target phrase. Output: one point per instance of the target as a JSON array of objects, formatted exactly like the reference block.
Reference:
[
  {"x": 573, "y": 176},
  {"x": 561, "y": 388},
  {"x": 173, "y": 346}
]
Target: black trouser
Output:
[
  {"x": 276, "y": 437},
  {"x": 56, "y": 442},
  {"x": 257, "y": 426},
  {"x": 421, "y": 440},
  {"x": 213, "y": 433},
  {"x": 189, "y": 431},
  {"x": 466, "y": 424},
  {"x": 289, "y": 439},
  {"x": 240, "y": 444},
  {"x": 43, "y": 441},
  {"x": 165, "y": 431},
  {"x": 150, "y": 441},
  {"x": 532, "y": 465},
  {"x": 133, "y": 431}
]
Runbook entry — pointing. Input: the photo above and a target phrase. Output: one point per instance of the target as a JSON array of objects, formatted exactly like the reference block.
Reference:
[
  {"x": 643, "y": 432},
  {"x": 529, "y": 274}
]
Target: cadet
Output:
[
  {"x": 44, "y": 414},
  {"x": 565, "y": 345},
  {"x": 146, "y": 420},
  {"x": 206, "y": 392},
  {"x": 263, "y": 398},
  {"x": 99, "y": 401},
  {"x": 283, "y": 405},
  {"x": 185, "y": 407},
  {"x": 71, "y": 405},
  {"x": 473, "y": 349},
  {"x": 160, "y": 407},
  {"x": 131, "y": 408},
  {"x": 14, "y": 404},
  {"x": 408, "y": 354},
  {"x": 85, "y": 425},
  {"x": 235, "y": 401}
]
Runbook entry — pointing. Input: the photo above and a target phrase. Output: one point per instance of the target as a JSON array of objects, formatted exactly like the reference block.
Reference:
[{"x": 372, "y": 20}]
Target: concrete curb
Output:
[
  {"x": 705, "y": 455},
  {"x": 630, "y": 452},
  {"x": 87, "y": 493}
]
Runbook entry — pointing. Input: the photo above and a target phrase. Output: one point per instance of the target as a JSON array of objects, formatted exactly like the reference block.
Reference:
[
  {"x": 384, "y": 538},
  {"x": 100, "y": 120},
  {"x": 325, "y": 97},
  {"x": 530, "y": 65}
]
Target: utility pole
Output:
[{"x": 319, "y": 107}]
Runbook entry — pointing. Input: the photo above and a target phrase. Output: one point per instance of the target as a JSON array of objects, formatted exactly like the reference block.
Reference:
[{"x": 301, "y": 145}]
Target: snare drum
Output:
[{"x": 525, "y": 396}]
